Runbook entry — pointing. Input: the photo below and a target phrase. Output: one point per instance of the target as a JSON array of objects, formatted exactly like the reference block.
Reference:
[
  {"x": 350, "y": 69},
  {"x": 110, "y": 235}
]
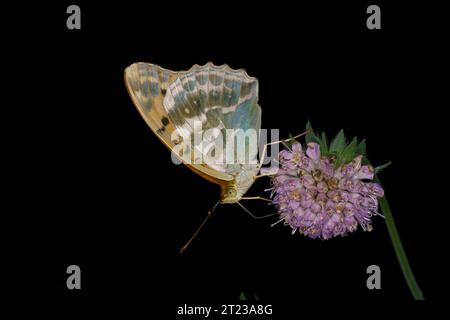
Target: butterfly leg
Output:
[
  {"x": 263, "y": 155},
  {"x": 256, "y": 198},
  {"x": 200, "y": 227},
  {"x": 263, "y": 175},
  {"x": 252, "y": 215}
]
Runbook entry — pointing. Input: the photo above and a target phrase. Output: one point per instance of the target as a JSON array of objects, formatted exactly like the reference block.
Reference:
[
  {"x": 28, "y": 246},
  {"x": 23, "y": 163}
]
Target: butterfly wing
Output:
[
  {"x": 247, "y": 116},
  {"x": 147, "y": 85},
  {"x": 213, "y": 98}
]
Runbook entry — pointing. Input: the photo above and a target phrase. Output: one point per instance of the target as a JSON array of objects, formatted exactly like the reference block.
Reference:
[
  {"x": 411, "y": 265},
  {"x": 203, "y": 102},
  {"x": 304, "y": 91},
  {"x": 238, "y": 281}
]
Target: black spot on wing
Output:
[
  {"x": 160, "y": 130},
  {"x": 165, "y": 121}
]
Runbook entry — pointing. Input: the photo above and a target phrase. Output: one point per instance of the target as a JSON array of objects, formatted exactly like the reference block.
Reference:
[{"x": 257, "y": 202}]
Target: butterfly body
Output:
[{"x": 216, "y": 98}]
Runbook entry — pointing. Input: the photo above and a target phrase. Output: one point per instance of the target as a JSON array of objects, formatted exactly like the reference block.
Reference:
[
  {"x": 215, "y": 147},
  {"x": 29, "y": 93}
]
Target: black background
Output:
[{"x": 97, "y": 189}]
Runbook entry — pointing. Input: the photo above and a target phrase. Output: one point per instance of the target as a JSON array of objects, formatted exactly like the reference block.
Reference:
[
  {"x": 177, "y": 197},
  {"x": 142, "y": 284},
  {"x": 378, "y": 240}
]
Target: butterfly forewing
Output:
[{"x": 148, "y": 86}]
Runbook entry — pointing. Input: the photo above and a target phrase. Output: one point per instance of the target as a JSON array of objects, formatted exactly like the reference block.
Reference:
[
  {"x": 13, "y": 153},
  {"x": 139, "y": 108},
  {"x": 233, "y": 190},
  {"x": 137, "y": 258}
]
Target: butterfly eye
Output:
[{"x": 231, "y": 192}]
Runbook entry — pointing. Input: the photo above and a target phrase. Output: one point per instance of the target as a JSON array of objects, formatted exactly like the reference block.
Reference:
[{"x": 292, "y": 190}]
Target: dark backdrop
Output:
[{"x": 98, "y": 189}]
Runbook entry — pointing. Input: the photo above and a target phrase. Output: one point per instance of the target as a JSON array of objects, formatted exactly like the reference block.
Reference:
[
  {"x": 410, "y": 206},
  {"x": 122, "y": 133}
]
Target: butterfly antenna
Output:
[
  {"x": 200, "y": 227},
  {"x": 252, "y": 215}
]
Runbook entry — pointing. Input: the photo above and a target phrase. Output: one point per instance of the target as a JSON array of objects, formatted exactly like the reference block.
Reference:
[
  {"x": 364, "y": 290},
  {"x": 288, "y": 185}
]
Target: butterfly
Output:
[{"x": 216, "y": 97}]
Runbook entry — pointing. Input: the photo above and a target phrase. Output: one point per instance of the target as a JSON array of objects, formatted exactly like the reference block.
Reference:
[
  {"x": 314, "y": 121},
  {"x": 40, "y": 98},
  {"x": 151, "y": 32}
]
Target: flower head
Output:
[{"x": 325, "y": 192}]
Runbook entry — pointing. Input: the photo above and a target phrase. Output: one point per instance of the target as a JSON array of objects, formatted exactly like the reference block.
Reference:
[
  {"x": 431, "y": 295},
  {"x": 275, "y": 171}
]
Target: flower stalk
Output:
[{"x": 398, "y": 248}]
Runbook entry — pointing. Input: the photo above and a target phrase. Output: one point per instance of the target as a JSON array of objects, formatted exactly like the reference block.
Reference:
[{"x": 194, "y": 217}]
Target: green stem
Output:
[{"x": 399, "y": 250}]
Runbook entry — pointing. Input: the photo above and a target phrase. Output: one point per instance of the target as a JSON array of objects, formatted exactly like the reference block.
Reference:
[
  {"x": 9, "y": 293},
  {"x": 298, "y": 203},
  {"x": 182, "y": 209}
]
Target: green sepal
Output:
[
  {"x": 361, "y": 149},
  {"x": 313, "y": 137},
  {"x": 365, "y": 161},
  {"x": 309, "y": 133},
  {"x": 324, "y": 145},
  {"x": 379, "y": 168},
  {"x": 338, "y": 144},
  {"x": 348, "y": 154}
]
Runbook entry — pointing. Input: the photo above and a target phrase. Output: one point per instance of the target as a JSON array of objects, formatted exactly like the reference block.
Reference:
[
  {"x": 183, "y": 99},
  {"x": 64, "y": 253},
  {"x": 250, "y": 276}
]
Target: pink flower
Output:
[{"x": 321, "y": 201}]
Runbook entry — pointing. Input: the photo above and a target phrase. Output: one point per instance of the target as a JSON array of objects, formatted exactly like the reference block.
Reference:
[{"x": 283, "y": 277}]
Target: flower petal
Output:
[
  {"x": 326, "y": 167},
  {"x": 366, "y": 172},
  {"x": 296, "y": 147},
  {"x": 376, "y": 189},
  {"x": 313, "y": 151}
]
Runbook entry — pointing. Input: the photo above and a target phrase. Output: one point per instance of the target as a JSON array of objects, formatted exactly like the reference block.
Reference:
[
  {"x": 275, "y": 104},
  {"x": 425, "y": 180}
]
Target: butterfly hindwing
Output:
[{"x": 216, "y": 98}]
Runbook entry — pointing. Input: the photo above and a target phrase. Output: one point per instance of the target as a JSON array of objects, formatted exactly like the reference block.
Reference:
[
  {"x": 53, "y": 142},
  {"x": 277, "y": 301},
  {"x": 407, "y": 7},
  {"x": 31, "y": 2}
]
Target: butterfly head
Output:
[{"x": 230, "y": 195}]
